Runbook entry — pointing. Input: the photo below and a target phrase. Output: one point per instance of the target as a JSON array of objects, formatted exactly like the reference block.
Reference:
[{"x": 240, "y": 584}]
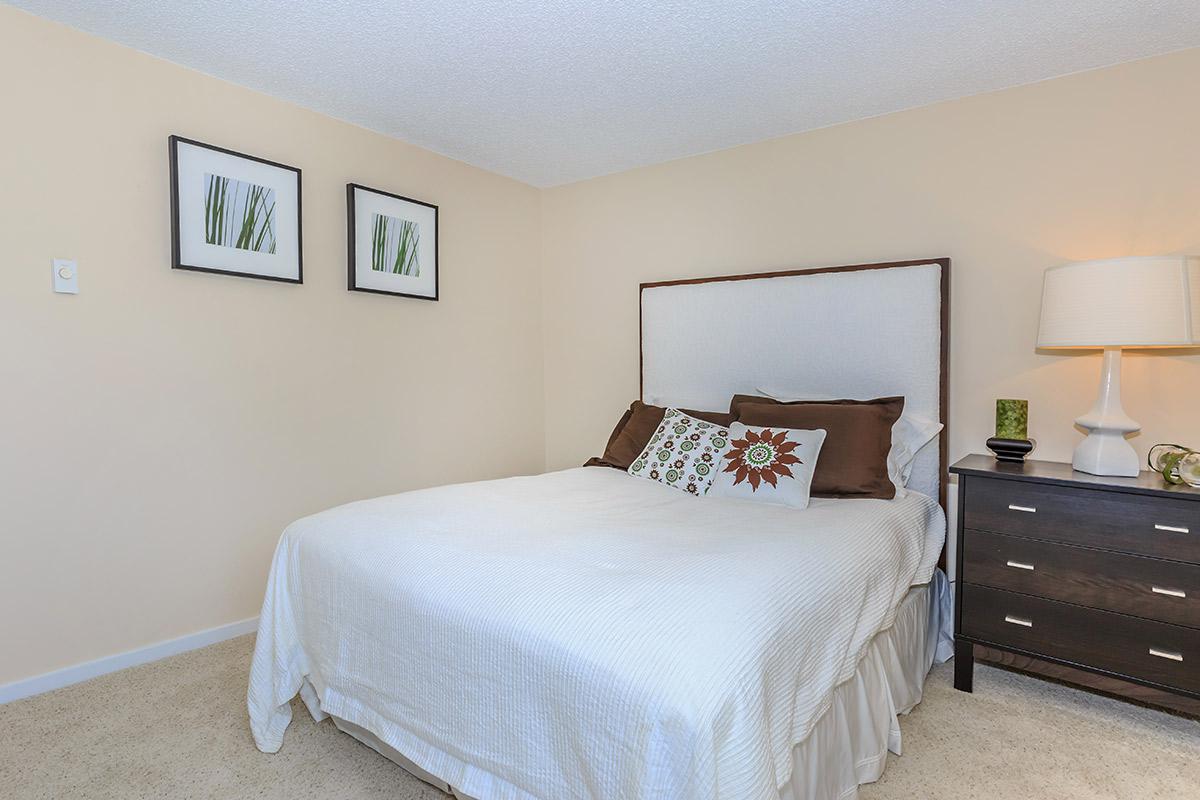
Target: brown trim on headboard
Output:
[{"x": 944, "y": 402}]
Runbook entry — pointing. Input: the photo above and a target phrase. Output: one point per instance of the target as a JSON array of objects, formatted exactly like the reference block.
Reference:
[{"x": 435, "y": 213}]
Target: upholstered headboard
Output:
[{"x": 861, "y": 331}]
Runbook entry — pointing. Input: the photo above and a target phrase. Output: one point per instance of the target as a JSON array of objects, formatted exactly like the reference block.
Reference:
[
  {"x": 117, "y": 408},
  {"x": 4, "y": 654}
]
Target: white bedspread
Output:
[{"x": 583, "y": 634}]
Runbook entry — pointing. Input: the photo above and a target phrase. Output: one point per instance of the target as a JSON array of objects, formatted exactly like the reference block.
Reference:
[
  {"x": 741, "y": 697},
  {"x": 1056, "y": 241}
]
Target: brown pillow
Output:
[
  {"x": 858, "y": 437},
  {"x": 635, "y": 428}
]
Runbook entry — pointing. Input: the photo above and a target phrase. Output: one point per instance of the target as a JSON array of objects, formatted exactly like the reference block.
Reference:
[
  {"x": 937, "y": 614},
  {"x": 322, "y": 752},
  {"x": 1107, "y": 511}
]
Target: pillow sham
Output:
[
  {"x": 769, "y": 465},
  {"x": 599, "y": 461},
  {"x": 858, "y": 439},
  {"x": 684, "y": 452},
  {"x": 635, "y": 428},
  {"x": 909, "y": 435}
]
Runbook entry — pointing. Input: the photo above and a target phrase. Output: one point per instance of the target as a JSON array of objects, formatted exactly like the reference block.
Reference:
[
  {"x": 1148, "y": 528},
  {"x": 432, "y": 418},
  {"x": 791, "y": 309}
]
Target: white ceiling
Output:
[{"x": 553, "y": 91}]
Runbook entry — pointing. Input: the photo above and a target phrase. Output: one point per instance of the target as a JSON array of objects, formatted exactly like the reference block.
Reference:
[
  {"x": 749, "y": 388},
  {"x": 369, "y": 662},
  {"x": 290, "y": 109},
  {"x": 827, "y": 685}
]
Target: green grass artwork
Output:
[
  {"x": 394, "y": 244},
  {"x": 239, "y": 214}
]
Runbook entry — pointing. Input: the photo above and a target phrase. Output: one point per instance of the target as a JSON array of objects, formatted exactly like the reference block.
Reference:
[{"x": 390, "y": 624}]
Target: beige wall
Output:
[
  {"x": 1100, "y": 164},
  {"x": 159, "y": 430}
]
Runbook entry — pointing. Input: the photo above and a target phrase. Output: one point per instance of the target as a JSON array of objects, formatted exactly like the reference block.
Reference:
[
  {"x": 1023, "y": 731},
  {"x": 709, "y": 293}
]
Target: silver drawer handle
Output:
[
  {"x": 1027, "y": 623},
  {"x": 1019, "y": 565},
  {"x": 1168, "y": 592},
  {"x": 1166, "y": 654},
  {"x": 1026, "y": 509},
  {"x": 1169, "y": 528}
]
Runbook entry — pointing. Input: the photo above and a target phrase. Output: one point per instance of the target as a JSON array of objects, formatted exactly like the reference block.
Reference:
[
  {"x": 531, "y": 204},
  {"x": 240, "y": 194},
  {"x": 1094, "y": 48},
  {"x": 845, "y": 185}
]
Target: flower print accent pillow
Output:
[
  {"x": 684, "y": 453},
  {"x": 774, "y": 465}
]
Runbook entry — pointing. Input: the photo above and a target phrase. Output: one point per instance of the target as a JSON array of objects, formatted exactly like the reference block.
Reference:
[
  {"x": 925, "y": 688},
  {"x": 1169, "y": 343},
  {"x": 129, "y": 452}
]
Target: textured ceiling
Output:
[{"x": 555, "y": 91}]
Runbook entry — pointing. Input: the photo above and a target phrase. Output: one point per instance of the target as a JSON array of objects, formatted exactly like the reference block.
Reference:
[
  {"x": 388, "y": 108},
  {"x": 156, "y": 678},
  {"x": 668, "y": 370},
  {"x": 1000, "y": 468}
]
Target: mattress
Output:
[{"x": 584, "y": 634}]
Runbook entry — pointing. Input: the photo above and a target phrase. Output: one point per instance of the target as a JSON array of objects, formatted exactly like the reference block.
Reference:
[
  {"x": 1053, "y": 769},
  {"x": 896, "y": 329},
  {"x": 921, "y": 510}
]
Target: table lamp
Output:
[{"x": 1142, "y": 302}]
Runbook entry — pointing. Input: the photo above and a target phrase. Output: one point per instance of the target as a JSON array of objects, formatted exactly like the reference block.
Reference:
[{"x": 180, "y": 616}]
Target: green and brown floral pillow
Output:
[
  {"x": 774, "y": 465},
  {"x": 684, "y": 453}
]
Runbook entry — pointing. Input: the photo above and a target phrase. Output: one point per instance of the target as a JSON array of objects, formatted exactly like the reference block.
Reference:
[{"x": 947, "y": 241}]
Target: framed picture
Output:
[
  {"x": 234, "y": 213},
  {"x": 393, "y": 244}
]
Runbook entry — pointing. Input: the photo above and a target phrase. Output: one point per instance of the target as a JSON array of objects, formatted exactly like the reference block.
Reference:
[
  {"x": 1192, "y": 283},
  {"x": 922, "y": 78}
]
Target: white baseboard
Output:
[{"x": 132, "y": 658}]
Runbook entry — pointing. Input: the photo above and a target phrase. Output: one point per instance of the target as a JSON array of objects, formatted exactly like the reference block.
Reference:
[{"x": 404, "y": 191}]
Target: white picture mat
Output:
[
  {"x": 366, "y": 205},
  {"x": 192, "y": 163},
  {"x": 855, "y": 334}
]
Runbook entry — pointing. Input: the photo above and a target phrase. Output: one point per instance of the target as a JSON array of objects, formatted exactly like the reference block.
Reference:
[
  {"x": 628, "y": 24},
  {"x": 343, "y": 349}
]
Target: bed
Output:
[{"x": 588, "y": 634}]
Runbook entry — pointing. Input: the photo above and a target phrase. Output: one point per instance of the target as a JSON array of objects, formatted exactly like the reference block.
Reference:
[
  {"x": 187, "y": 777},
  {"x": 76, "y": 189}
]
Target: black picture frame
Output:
[
  {"x": 351, "y": 254},
  {"x": 177, "y": 262}
]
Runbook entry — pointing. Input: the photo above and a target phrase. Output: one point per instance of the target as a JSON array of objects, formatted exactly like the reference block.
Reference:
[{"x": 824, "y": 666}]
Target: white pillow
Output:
[
  {"x": 910, "y": 433},
  {"x": 772, "y": 465},
  {"x": 684, "y": 453}
]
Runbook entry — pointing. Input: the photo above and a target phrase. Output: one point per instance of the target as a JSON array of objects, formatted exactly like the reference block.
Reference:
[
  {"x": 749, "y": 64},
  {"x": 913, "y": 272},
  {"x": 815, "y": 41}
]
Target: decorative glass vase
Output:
[{"x": 1176, "y": 463}]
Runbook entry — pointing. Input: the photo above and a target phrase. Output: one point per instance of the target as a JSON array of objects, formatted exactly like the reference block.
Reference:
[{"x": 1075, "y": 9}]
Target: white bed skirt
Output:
[{"x": 849, "y": 744}]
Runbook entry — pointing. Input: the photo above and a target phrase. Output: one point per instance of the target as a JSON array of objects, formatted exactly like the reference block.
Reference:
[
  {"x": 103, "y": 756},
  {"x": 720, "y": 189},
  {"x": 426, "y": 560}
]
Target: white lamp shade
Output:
[{"x": 1122, "y": 302}]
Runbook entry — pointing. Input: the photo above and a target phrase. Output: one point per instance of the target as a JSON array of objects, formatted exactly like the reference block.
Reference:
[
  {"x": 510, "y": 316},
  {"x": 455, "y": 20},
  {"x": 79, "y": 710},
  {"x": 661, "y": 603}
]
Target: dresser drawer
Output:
[
  {"x": 1168, "y": 655},
  {"x": 1162, "y": 527},
  {"x": 1166, "y": 591}
]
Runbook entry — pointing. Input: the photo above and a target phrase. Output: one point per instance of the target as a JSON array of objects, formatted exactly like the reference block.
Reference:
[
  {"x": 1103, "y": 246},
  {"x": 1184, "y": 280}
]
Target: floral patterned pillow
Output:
[
  {"x": 774, "y": 465},
  {"x": 683, "y": 453}
]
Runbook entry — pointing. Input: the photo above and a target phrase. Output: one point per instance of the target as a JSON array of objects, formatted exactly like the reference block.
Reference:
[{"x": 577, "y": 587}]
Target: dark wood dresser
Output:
[{"x": 1081, "y": 578}]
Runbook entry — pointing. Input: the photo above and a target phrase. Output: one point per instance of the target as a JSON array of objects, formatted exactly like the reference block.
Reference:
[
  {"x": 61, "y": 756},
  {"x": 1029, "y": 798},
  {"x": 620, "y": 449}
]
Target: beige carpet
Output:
[{"x": 177, "y": 728}]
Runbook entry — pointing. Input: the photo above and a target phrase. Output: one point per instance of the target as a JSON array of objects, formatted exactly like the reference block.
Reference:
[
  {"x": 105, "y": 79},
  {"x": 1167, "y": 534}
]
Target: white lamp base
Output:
[{"x": 1105, "y": 451}]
